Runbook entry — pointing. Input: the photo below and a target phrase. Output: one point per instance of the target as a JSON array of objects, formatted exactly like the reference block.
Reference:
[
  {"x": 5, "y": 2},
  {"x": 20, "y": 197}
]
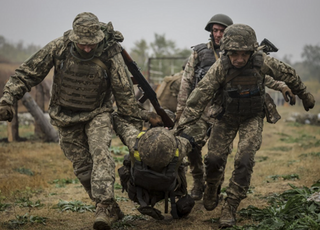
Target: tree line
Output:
[{"x": 162, "y": 51}]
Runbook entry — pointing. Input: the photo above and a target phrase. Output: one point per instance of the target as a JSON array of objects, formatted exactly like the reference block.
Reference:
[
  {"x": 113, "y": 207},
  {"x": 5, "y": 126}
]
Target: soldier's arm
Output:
[
  {"x": 283, "y": 72},
  {"x": 29, "y": 74},
  {"x": 122, "y": 88},
  {"x": 202, "y": 94},
  {"x": 273, "y": 84},
  {"x": 282, "y": 87},
  {"x": 187, "y": 83}
]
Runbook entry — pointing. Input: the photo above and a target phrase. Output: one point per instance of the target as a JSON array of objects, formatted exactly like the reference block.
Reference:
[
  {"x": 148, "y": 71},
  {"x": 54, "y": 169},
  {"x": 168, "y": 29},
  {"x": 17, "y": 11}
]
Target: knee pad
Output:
[{"x": 84, "y": 176}]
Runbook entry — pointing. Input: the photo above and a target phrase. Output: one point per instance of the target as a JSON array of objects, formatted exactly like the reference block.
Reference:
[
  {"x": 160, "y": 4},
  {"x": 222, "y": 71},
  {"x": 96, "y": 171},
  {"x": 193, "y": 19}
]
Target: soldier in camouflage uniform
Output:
[
  {"x": 202, "y": 58},
  {"x": 88, "y": 70},
  {"x": 146, "y": 173},
  {"x": 240, "y": 75}
]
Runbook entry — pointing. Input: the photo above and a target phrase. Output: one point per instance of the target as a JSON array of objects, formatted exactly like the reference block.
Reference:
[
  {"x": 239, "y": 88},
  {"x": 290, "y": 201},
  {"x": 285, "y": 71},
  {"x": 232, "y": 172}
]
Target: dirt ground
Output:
[{"x": 286, "y": 150}]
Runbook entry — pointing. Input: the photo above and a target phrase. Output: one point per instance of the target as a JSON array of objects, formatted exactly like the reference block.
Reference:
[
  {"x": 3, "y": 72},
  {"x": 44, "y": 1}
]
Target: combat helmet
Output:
[
  {"x": 239, "y": 37},
  {"x": 157, "y": 148},
  {"x": 221, "y": 19}
]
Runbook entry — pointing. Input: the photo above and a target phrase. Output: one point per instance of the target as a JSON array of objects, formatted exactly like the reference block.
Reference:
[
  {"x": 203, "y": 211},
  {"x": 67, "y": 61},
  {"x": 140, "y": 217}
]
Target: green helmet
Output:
[
  {"x": 221, "y": 19},
  {"x": 157, "y": 147},
  {"x": 239, "y": 37}
]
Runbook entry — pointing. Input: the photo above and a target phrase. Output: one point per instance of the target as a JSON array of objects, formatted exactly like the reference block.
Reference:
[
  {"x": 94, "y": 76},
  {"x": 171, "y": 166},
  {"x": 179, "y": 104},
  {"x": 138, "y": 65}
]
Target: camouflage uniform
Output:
[
  {"x": 199, "y": 129},
  {"x": 84, "y": 121},
  {"x": 163, "y": 153},
  {"x": 249, "y": 125}
]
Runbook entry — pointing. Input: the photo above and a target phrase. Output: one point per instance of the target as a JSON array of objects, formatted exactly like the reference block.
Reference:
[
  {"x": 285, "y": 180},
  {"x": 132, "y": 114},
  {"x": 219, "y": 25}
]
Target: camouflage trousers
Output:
[
  {"x": 86, "y": 145},
  {"x": 222, "y": 135},
  {"x": 199, "y": 132}
]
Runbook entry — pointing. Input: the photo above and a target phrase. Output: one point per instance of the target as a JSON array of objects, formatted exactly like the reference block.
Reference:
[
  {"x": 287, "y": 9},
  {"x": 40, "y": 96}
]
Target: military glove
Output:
[
  {"x": 154, "y": 119},
  {"x": 307, "y": 100},
  {"x": 286, "y": 92},
  {"x": 6, "y": 112}
]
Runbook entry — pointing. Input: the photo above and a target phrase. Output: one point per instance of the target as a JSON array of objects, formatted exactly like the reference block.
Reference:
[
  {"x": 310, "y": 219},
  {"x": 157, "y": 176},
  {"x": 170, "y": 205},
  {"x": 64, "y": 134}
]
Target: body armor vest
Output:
[
  {"x": 81, "y": 85},
  {"x": 244, "y": 91},
  {"x": 206, "y": 60}
]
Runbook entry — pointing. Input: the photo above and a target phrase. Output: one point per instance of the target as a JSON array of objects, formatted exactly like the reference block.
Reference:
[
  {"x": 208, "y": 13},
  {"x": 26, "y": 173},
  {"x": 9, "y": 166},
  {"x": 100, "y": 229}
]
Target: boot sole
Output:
[
  {"x": 210, "y": 208},
  {"x": 101, "y": 225}
]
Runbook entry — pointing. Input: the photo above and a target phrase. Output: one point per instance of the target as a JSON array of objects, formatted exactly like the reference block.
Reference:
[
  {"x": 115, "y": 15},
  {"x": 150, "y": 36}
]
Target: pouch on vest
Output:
[{"x": 270, "y": 108}]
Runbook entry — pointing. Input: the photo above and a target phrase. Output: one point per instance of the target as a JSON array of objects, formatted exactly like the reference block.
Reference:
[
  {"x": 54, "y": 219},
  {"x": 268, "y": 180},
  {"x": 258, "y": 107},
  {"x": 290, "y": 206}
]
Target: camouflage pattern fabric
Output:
[
  {"x": 188, "y": 80},
  {"x": 36, "y": 68},
  {"x": 84, "y": 136},
  {"x": 86, "y": 29},
  {"x": 157, "y": 147},
  {"x": 273, "y": 84},
  {"x": 222, "y": 135},
  {"x": 126, "y": 131},
  {"x": 87, "y": 144},
  {"x": 198, "y": 131},
  {"x": 239, "y": 37},
  {"x": 128, "y": 134},
  {"x": 214, "y": 81}
]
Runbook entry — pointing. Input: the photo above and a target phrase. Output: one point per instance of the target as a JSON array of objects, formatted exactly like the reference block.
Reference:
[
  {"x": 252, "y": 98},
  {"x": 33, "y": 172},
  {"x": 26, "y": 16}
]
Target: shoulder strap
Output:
[{"x": 99, "y": 63}]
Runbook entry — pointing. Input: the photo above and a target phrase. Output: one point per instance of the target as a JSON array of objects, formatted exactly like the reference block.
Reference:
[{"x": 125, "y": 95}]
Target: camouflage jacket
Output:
[
  {"x": 188, "y": 80},
  {"x": 187, "y": 85},
  {"x": 214, "y": 81},
  {"x": 36, "y": 68}
]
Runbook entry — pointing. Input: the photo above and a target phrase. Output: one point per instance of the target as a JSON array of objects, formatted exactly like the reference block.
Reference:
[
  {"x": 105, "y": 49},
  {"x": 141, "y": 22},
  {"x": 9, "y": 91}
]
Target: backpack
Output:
[{"x": 167, "y": 92}]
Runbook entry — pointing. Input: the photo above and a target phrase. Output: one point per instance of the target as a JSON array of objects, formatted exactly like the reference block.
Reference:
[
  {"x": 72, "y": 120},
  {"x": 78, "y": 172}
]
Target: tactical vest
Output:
[
  {"x": 80, "y": 85},
  {"x": 244, "y": 90},
  {"x": 206, "y": 57}
]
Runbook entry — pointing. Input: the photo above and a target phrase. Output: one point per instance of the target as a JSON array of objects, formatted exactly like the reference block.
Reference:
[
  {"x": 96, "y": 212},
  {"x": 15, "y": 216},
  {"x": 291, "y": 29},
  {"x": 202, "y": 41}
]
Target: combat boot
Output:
[
  {"x": 198, "y": 188},
  {"x": 211, "y": 196},
  {"x": 106, "y": 214},
  {"x": 228, "y": 213}
]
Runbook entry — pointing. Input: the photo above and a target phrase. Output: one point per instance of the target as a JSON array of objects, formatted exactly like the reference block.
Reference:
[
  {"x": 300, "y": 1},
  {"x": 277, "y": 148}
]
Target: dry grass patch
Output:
[{"x": 52, "y": 173}]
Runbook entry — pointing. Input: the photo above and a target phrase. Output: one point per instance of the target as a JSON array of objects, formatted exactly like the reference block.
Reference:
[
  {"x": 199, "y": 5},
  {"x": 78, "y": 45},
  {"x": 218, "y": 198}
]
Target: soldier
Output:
[
  {"x": 88, "y": 69},
  {"x": 203, "y": 56},
  {"x": 240, "y": 75},
  {"x": 155, "y": 171}
]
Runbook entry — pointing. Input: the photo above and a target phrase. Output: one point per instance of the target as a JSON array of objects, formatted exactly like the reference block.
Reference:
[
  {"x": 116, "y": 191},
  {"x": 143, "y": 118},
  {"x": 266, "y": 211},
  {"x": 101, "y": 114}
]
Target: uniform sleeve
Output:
[
  {"x": 29, "y": 74},
  {"x": 187, "y": 82},
  {"x": 273, "y": 84},
  {"x": 184, "y": 147},
  {"x": 283, "y": 72},
  {"x": 122, "y": 88},
  {"x": 201, "y": 95}
]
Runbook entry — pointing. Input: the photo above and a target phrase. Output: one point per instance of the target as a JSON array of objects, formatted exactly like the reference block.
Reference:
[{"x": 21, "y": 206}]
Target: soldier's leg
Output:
[
  {"x": 198, "y": 131},
  {"x": 250, "y": 138},
  {"x": 99, "y": 133},
  {"x": 222, "y": 135},
  {"x": 73, "y": 142}
]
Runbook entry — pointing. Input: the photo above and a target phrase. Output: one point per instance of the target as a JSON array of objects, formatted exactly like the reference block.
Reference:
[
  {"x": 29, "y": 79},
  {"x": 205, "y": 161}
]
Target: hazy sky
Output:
[{"x": 289, "y": 24}]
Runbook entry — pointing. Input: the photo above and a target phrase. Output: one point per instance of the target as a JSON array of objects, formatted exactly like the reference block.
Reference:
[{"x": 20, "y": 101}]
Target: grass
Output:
[{"x": 36, "y": 178}]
